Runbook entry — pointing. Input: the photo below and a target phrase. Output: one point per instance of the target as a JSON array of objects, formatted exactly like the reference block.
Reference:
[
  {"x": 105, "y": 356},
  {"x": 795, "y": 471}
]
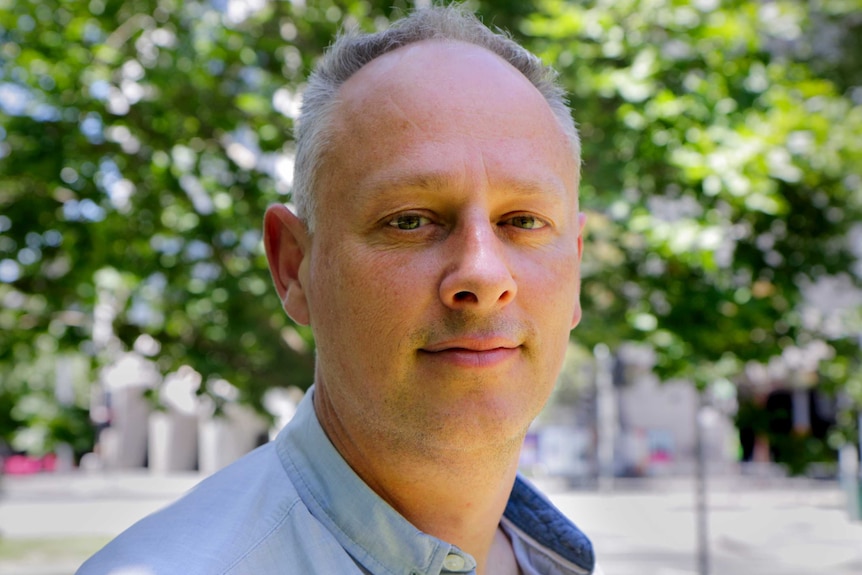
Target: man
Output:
[{"x": 435, "y": 254}]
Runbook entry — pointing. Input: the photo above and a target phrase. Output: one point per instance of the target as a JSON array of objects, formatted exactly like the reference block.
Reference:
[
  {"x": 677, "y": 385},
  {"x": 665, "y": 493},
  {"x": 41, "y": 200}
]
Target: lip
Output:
[
  {"x": 483, "y": 343},
  {"x": 473, "y": 352}
]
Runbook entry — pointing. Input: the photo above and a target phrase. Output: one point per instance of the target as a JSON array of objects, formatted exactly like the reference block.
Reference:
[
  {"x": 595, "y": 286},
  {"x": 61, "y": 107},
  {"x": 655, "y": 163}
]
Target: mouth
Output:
[
  {"x": 478, "y": 344},
  {"x": 473, "y": 352}
]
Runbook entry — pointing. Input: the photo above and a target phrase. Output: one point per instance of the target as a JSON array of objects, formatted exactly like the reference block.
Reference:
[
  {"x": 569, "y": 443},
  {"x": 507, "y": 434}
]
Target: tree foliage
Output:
[{"x": 724, "y": 163}]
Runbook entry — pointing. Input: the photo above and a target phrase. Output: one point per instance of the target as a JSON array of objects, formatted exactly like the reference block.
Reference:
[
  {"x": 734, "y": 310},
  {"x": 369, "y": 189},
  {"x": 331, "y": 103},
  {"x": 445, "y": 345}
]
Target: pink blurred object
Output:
[{"x": 28, "y": 465}]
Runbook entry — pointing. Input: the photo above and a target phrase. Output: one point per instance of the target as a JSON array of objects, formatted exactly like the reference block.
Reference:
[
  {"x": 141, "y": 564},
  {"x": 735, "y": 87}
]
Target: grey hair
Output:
[{"x": 352, "y": 50}]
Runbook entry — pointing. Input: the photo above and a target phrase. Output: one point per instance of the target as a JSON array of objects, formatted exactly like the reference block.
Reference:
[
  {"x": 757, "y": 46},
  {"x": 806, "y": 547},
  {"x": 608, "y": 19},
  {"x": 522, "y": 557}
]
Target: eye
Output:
[
  {"x": 526, "y": 222},
  {"x": 409, "y": 221}
]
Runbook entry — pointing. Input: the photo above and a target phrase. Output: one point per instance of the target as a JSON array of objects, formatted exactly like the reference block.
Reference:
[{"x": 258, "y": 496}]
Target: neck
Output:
[{"x": 455, "y": 494}]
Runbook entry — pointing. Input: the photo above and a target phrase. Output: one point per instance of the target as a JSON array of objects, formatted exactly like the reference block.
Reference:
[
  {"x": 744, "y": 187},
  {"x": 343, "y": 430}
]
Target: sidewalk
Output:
[
  {"x": 49, "y": 524},
  {"x": 83, "y": 505},
  {"x": 777, "y": 528},
  {"x": 756, "y": 527}
]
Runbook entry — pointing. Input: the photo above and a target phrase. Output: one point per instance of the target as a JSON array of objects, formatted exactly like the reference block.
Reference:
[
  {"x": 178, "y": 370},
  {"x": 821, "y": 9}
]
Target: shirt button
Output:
[{"x": 454, "y": 562}]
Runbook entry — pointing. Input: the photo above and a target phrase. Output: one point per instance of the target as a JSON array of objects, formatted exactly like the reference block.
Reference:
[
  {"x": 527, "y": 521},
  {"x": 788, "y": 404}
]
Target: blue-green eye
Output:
[
  {"x": 409, "y": 221},
  {"x": 526, "y": 222}
]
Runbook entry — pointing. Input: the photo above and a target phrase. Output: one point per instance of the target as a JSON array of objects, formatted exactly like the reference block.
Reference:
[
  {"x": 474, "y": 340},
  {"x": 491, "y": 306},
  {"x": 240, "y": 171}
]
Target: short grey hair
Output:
[{"x": 352, "y": 50}]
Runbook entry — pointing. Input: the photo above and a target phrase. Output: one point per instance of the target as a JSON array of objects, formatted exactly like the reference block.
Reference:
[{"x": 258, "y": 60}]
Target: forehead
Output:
[
  {"x": 436, "y": 79},
  {"x": 428, "y": 105}
]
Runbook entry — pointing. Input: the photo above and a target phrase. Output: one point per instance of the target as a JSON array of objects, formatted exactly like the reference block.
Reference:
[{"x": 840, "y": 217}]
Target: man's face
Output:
[{"x": 442, "y": 279}]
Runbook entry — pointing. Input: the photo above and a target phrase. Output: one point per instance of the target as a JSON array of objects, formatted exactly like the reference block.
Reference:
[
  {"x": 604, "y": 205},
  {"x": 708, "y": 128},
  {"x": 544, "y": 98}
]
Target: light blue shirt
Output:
[{"x": 294, "y": 506}]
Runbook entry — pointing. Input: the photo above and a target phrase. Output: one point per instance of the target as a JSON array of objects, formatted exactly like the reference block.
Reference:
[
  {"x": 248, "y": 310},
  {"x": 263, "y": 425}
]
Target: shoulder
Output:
[{"x": 219, "y": 523}]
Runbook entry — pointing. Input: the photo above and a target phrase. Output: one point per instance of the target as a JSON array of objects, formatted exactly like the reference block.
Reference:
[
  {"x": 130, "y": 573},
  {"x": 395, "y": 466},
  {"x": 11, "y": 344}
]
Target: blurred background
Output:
[{"x": 141, "y": 141}]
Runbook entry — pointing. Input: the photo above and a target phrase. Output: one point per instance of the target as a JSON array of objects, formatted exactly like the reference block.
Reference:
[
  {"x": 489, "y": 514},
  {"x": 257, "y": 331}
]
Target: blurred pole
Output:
[
  {"x": 848, "y": 474},
  {"x": 700, "y": 486},
  {"x": 607, "y": 415},
  {"x": 64, "y": 392},
  {"x": 859, "y": 429}
]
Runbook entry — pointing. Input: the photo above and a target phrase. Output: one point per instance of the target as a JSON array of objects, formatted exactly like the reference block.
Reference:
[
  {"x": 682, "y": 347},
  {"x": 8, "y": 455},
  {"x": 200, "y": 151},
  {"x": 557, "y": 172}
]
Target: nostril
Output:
[{"x": 465, "y": 296}]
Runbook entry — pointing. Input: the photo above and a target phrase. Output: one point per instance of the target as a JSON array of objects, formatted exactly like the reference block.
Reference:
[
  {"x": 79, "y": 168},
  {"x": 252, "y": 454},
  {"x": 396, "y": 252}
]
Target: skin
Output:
[{"x": 441, "y": 282}]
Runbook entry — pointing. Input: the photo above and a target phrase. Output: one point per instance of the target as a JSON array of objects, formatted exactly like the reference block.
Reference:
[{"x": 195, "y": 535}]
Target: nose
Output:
[{"x": 478, "y": 276}]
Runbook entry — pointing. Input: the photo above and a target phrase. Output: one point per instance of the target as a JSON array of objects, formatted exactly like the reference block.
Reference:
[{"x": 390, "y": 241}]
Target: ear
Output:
[
  {"x": 286, "y": 241},
  {"x": 576, "y": 315}
]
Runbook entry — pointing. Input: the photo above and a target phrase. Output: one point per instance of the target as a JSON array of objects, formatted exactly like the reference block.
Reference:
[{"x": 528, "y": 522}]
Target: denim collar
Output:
[{"x": 543, "y": 530}]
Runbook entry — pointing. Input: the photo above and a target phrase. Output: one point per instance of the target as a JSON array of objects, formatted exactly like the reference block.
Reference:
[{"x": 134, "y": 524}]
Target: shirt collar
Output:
[
  {"x": 367, "y": 527},
  {"x": 540, "y": 533}
]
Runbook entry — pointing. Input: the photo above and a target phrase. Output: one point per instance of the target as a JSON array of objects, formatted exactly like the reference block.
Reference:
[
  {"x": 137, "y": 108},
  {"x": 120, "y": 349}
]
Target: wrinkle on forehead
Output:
[
  {"x": 401, "y": 113},
  {"x": 435, "y": 182}
]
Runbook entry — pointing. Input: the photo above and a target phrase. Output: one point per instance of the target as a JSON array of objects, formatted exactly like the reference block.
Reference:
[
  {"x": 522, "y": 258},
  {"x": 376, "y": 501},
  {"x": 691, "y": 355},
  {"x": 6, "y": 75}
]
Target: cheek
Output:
[
  {"x": 550, "y": 285},
  {"x": 376, "y": 296}
]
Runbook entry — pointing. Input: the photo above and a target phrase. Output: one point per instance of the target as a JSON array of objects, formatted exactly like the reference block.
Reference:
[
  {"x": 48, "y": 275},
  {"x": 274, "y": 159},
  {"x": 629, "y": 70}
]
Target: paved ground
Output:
[
  {"x": 767, "y": 529},
  {"x": 49, "y": 524}
]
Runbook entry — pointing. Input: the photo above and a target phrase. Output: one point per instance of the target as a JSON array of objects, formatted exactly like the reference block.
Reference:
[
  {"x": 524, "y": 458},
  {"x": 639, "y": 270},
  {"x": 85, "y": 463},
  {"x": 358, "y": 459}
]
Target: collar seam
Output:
[
  {"x": 290, "y": 465},
  {"x": 277, "y": 525}
]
